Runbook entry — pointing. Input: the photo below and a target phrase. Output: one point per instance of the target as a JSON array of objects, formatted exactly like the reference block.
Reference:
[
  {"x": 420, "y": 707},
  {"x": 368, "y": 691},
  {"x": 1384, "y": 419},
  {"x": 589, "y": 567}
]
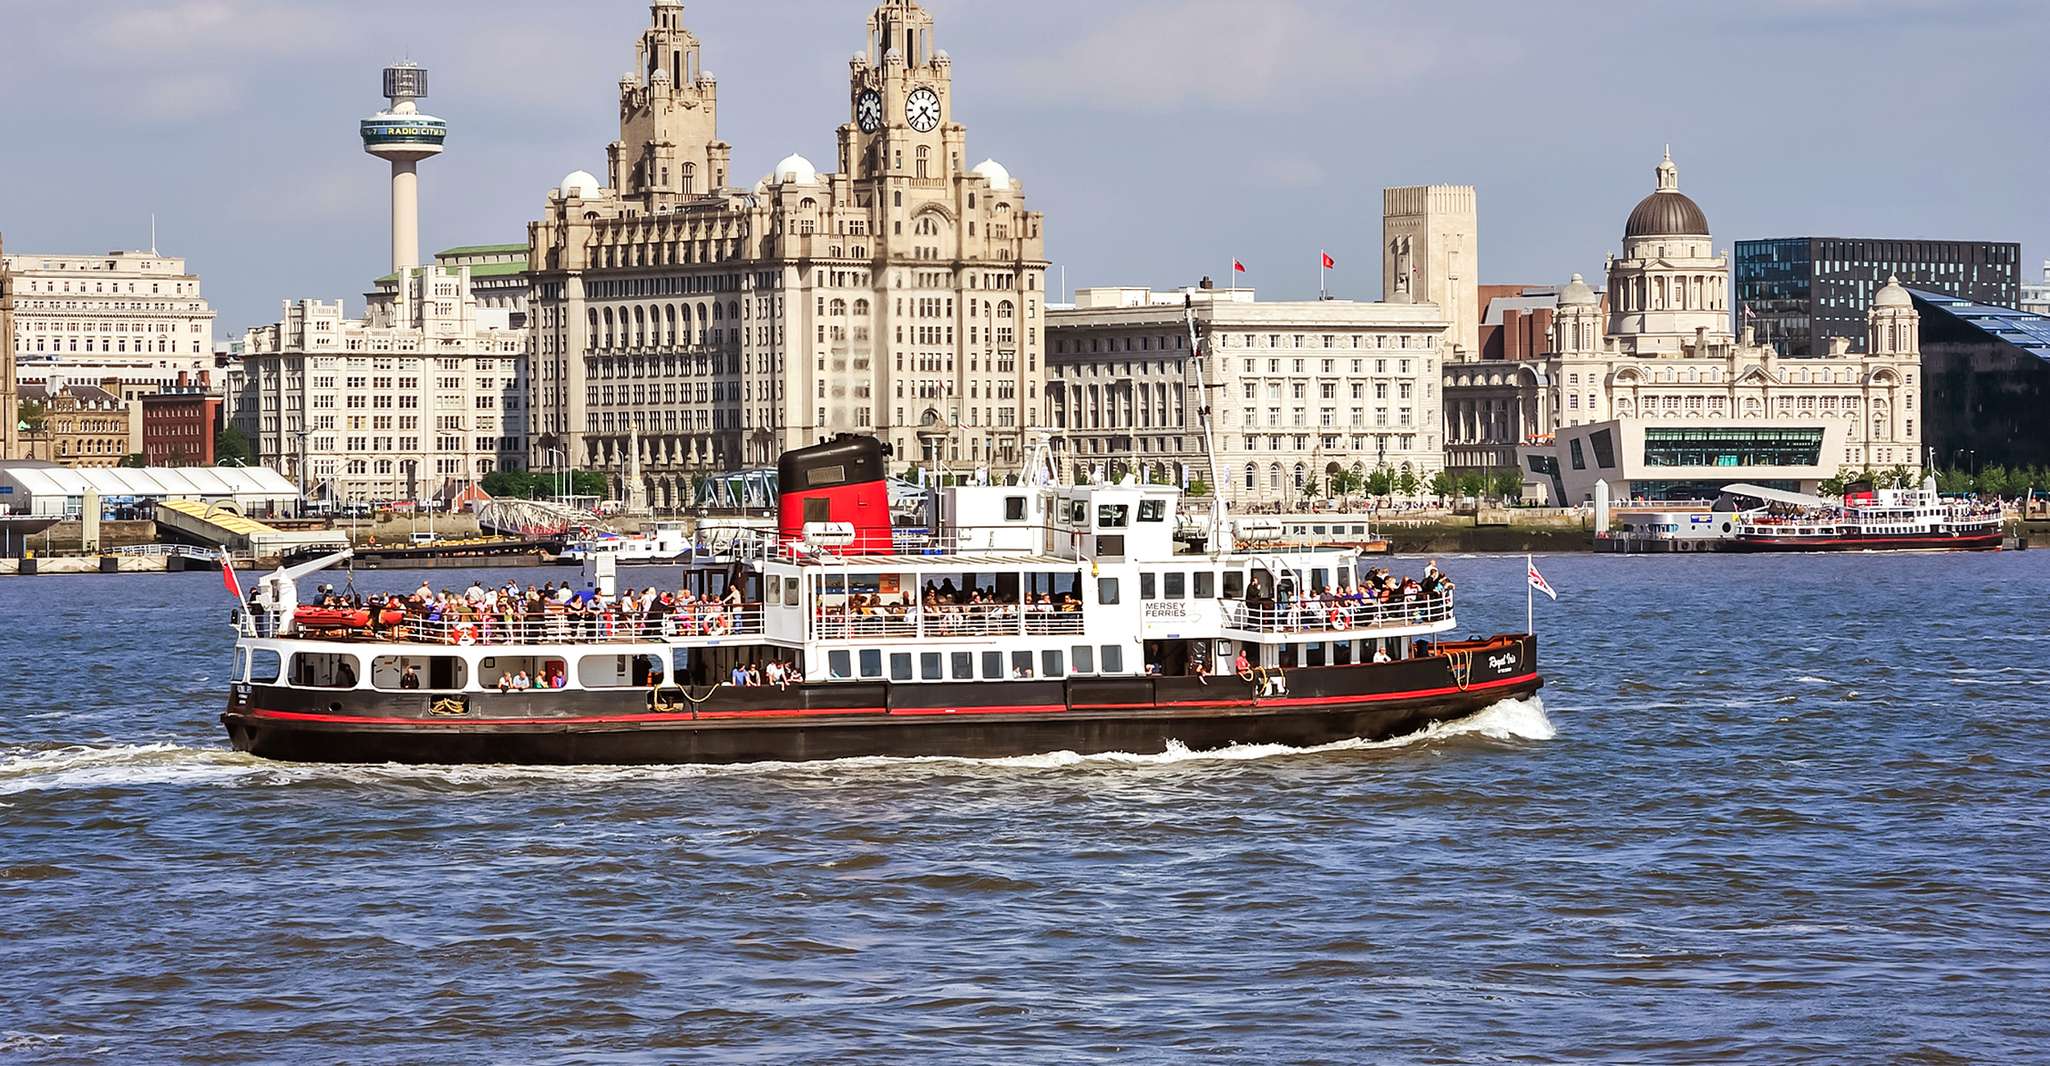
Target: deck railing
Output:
[
  {"x": 1316, "y": 616},
  {"x": 549, "y": 627},
  {"x": 964, "y": 620}
]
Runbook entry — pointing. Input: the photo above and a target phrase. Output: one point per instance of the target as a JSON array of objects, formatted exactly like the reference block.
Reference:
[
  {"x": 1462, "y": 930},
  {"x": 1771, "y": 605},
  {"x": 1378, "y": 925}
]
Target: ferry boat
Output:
[
  {"x": 1915, "y": 519},
  {"x": 1038, "y": 617},
  {"x": 664, "y": 542}
]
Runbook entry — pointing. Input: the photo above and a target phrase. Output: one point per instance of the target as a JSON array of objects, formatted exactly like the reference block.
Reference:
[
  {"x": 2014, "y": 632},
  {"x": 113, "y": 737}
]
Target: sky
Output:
[{"x": 1161, "y": 138}]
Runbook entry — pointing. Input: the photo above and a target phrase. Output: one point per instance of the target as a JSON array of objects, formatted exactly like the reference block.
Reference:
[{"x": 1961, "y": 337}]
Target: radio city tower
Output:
[{"x": 403, "y": 135}]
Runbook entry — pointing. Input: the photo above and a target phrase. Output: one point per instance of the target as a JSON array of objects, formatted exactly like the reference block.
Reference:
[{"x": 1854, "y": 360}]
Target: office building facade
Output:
[
  {"x": 1985, "y": 384},
  {"x": 1302, "y": 389},
  {"x": 423, "y": 396},
  {"x": 714, "y": 327},
  {"x": 1798, "y": 292}
]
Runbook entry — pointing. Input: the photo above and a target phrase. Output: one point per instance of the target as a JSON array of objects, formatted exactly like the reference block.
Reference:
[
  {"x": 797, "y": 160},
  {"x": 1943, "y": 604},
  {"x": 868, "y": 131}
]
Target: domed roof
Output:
[
  {"x": 794, "y": 168},
  {"x": 998, "y": 177},
  {"x": 581, "y": 185},
  {"x": 1667, "y": 212},
  {"x": 1892, "y": 294},
  {"x": 1576, "y": 294}
]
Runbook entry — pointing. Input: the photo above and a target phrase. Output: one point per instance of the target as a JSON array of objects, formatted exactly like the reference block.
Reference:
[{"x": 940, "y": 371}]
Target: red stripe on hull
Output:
[{"x": 1303, "y": 702}]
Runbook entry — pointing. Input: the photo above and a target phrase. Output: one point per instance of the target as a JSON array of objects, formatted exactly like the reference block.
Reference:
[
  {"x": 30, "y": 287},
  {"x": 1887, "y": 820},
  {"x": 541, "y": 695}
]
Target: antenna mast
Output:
[{"x": 1218, "y": 511}]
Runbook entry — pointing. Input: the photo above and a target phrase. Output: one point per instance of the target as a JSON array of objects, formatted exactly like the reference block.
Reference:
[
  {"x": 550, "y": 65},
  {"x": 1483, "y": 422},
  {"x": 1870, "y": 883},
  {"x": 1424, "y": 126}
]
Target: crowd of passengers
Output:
[
  {"x": 952, "y": 609},
  {"x": 548, "y": 611},
  {"x": 1379, "y": 594}
]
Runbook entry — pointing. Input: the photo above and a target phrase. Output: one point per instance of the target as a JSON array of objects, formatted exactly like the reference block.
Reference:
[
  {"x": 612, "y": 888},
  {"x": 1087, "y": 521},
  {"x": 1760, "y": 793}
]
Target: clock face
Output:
[
  {"x": 922, "y": 110},
  {"x": 868, "y": 111}
]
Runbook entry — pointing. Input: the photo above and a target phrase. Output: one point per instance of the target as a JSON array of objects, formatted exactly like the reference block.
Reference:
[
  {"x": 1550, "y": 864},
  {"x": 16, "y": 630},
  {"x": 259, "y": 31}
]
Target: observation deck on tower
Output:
[{"x": 401, "y": 132}]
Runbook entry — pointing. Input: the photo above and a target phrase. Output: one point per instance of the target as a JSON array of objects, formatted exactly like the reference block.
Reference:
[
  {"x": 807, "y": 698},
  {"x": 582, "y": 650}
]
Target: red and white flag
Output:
[
  {"x": 228, "y": 581},
  {"x": 1238, "y": 267},
  {"x": 1537, "y": 580},
  {"x": 1328, "y": 261}
]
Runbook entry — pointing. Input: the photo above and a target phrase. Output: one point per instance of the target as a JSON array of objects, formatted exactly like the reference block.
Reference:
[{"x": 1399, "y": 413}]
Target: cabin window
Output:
[
  {"x": 1050, "y": 663},
  {"x": 619, "y": 671},
  {"x": 775, "y": 587},
  {"x": 1206, "y": 585},
  {"x": 1079, "y": 513},
  {"x": 839, "y": 665},
  {"x": 1014, "y": 508},
  {"x": 900, "y": 666},
  {"x": 1106, "y": 590},
  {"x": 1082, "y": 659},
  {"x": 1319, "y": 530},
  {"x": 1113, "y": 516},
  {"x": 1342, "y": 653},
  {"x": 1234, "y": 585},
  {"x": 1146, "y": 587},
  {"x": 1289, "y": 656},
  {"x": 1175, "y": 585},
  {"x": 1152, "y": 510},
  {"x": 964, "y": 666},
  {"x": 540, "y": 673},
  {"x": 1320, "y": 579},
  {"x": 929, "y": 666},
  {"x": 1314, "y": 653},
  {"x": 1113, "y": 659},
  {"x": 240, "y": 671},
  {"x": 871, "y": 662},
  {"x": 264, "y": 664},
  {"x": 1110, "y": 545},
  {"x": 432, "y": 673},
  {"x": 1021, "y": 664},
  {"x": 790, "y": 592},
  {"x": 992, "y": 666},
  {"x": 324, "y": 670}
]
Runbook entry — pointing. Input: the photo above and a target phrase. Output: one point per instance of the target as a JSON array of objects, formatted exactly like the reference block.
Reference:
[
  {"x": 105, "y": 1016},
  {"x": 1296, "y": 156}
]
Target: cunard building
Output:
[{"x": 713, "y": 326}]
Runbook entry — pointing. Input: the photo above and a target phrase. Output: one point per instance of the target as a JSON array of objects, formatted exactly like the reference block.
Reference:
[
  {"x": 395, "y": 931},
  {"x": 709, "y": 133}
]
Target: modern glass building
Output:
[
  {"x": 1985, "y": 383},
  {"x": 1800, "y": 291}
]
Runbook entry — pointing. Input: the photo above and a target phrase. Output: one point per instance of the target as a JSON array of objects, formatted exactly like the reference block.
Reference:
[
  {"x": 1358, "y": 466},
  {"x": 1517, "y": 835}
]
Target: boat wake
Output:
[{"x": 145, "y": 765}]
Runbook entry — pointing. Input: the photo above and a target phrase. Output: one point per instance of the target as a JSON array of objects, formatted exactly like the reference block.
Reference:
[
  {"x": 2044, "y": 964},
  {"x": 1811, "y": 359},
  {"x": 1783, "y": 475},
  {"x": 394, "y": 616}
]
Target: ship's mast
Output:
[{"x": 1218, "y": 510}]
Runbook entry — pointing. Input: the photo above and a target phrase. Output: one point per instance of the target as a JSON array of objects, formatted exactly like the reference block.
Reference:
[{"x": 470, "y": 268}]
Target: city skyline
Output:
[{"x": 241, "y": 138}]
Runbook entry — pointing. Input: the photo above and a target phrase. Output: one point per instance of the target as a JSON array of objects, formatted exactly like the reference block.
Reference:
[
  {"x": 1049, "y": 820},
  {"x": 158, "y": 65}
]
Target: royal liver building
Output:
[{"x": 716, "y": 326}]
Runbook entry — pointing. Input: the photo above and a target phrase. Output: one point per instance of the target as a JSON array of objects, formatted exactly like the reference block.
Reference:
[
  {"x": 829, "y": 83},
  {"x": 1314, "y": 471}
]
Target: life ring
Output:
[{"x": 465, "y": 634}]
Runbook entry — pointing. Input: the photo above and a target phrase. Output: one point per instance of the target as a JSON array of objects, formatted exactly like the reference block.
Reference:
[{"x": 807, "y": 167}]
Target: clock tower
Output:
[
  {"x": 668, "y": 147},
  {"x": 900, "y": 102}
]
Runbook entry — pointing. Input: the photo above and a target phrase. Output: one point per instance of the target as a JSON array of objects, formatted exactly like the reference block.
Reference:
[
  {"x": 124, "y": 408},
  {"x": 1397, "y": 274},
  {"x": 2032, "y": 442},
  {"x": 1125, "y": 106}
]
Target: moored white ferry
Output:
[
  {"x": 1041, "y": 617},
  {"x": 1915, "y": 519}
]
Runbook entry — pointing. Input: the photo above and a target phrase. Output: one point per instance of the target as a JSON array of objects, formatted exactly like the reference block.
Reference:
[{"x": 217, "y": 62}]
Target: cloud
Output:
[
  {"x": 179, "y": 97},
  {"x": 1288, "y": 171},
  {"x": 241, "y": 26},
  {"x": 1165, "y": 56}
]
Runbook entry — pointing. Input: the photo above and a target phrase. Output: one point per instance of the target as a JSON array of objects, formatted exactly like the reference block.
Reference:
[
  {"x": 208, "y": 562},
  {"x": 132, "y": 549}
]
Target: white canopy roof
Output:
[{"x": 201, "y": 482}]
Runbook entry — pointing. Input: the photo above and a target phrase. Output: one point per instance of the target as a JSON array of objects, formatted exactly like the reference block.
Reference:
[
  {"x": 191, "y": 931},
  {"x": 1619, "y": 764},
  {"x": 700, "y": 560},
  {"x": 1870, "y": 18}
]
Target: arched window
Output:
[
  {"x": 669, "y": 315},
  {"x": 1252, "y": 476},
  {"x": 1274, "y": 476},
  {"x": 924, "y": 158},
  {"x": 640, "y": 328},
  {"x": 861, "y": 307},
  {"x": 608, "y": 327},
  {"x": 690, "y": 178}
]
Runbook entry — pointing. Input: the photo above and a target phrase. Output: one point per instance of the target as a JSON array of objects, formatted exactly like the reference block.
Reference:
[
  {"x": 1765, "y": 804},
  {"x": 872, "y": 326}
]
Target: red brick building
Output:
[{"x": 179, "y": 423}]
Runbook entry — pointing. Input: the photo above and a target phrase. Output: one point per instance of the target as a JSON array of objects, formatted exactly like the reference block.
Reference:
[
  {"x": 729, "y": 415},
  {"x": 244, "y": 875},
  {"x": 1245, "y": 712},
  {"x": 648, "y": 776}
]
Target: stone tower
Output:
[
  {"x": 1430, "y": 254},
  {"x": 668, "y": 146},
  {"x": 1895, "y": 327},
  {"x": 10, "y": 400}
]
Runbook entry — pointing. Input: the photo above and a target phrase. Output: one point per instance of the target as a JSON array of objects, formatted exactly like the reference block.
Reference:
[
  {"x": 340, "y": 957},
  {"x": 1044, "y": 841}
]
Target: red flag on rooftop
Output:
[
  {"x": 1238, "y": 267},
  {"x": 1328, "y": 261}
]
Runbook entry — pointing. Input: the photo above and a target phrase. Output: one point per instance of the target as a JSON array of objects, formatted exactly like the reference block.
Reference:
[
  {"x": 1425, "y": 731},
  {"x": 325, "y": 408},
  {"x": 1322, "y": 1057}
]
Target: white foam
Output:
[{"x": 133, "y": 765}]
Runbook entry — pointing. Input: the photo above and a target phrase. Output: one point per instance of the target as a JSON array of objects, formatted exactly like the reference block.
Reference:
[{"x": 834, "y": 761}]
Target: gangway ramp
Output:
[{"x": 212, "y": 525}]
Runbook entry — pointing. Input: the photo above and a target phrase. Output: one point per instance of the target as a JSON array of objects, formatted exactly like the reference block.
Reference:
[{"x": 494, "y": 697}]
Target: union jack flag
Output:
[{"x": 1537, "y": 580}]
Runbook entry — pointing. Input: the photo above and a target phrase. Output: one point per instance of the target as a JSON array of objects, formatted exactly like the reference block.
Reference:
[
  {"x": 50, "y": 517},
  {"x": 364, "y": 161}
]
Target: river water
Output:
[{"x": 1769, "y": 809}]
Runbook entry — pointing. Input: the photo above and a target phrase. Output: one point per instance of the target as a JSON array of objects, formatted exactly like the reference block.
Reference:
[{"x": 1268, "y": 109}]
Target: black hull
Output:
[
  {"x": 1978, "y": 542},
  {"x": 1004, "y": 718}
]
